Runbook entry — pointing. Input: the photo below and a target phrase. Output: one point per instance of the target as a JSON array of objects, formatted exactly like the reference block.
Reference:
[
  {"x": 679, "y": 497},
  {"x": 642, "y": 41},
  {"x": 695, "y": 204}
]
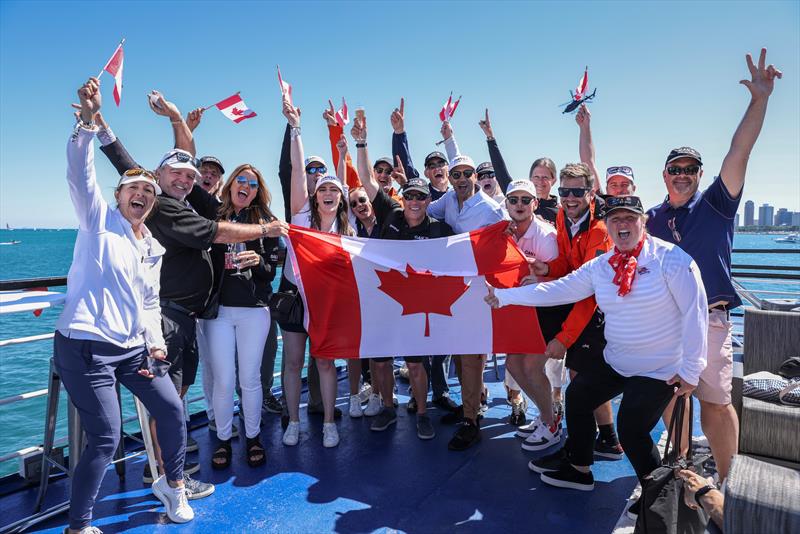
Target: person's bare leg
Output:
[
  {"x": 419, "y": 385},
  {"x": 327, "y": 386},
  {"x": 294, "y": 348},
  {"x": 721, "y": 427},
  {"x": 666, "y": 417},
  {"x": 528, "y": 371},
  {"x": 354, "y": 375},
  {"x": 374, "y": 371}
]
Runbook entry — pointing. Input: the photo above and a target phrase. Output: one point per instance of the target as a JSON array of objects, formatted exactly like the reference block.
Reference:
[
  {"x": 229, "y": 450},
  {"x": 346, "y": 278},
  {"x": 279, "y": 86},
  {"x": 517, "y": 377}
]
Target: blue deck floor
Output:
[{"x": 373, "y": 481}]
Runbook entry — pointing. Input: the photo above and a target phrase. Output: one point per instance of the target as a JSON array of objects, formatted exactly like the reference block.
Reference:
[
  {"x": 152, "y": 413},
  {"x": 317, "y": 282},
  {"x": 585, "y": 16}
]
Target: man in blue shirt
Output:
[{"x": 701, "y": 223}]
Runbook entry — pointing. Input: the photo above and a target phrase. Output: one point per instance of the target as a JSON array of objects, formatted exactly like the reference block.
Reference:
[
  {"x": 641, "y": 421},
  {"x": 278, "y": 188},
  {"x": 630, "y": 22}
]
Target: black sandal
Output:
[
  {"x": 256, "y": 455},
  {"x": 221, "y": 458}
]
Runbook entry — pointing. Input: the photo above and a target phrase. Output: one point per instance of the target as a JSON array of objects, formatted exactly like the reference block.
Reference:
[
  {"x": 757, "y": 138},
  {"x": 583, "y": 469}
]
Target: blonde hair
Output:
[{"x": 261, "y": 202}]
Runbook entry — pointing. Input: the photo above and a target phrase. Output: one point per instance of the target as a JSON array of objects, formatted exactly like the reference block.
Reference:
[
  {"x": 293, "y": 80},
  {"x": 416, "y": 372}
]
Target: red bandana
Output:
[{"x": 624, "y": 265}]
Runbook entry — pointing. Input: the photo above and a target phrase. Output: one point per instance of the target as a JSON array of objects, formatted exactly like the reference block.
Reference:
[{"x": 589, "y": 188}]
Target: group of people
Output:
[{"x": 180, "y": 272}]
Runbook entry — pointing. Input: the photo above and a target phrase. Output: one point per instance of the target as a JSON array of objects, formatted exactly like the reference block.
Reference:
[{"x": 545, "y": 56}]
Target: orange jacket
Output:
[
  {"x": 583, "y": 247},
  {"x": 351, "y": 175}
]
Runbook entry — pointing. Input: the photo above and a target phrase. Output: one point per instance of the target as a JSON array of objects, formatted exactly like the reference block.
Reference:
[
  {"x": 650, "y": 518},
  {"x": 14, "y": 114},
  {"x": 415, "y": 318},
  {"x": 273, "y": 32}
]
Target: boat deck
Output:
[{"x": 372, "y": 482}]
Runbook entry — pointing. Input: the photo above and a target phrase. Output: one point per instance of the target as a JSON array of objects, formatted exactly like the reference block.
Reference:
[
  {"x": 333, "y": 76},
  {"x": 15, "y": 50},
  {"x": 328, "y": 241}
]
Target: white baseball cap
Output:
[
  {"x": 526, "y": 186},
  {"x": 138, "y": 175},
  {"x": 462, "y": 160},
  {"x": 180, "y": 159}
]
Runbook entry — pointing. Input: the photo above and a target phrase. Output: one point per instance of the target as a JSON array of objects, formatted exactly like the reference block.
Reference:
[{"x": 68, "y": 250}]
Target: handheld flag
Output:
[
  {"x": 342, "y": 116},
  {"x": 449, "y": 108},
  {"x": 114, "y": 68},
  {"x": 235, "y": 109},
  {"x": 583, "y": 83},
  {"x": 286, "y": 88}
]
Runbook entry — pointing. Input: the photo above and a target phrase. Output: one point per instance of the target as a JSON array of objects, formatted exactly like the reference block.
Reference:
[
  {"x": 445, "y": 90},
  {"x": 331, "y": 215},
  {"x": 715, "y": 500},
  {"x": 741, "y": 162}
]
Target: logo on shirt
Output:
[{"x": 643, "y": 270}]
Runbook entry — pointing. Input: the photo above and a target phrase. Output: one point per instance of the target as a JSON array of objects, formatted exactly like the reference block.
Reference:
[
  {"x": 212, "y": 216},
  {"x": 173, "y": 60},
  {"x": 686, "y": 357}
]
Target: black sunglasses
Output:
[
  {"x": 415, "y": 196},
  {"x": 623, "y": 202},
  {"x": 576, "y": 192},
  {"x": 317, "y": 170},
  {"x": 359, "y": 200},
  {"x": 525, "y": 200},
  {"x": 483, "y": 175},
  {"x": 455, "y": 175},
  {"x": 691, "y": 170},
  {"x": 435, "y": 165},
  {"x": 383, "y": 170}
]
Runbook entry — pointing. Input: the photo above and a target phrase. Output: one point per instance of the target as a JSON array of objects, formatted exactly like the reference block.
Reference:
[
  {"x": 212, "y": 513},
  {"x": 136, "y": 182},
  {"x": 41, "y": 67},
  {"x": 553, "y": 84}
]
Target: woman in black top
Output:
[{"x": 242, "y": 324}]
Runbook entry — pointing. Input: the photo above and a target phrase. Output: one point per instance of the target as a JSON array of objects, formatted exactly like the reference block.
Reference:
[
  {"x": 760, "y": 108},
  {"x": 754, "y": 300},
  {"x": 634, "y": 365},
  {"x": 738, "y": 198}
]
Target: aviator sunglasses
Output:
[
  {"x": 317, "y": 170},
  {"x": 244, "y": 180}
]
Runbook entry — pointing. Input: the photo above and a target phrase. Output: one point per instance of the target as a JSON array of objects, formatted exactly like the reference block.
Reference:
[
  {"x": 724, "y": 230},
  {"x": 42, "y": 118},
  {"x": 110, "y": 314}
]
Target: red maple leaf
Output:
[
  {"x": 237, "y": 111},
  {"x": 422, "y": 292}
]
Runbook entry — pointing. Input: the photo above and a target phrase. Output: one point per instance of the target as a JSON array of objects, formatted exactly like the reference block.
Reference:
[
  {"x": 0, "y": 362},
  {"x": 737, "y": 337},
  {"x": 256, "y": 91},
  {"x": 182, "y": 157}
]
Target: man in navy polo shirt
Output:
[{"x": 701, "y": 223}]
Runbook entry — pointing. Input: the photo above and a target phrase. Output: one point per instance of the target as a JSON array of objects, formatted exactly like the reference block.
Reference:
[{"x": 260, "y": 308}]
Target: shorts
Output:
[
  {"x": 180, "y": 336},
  {"x": 716, "y": 380},
  {"x": 586, "y": 354},
  {"x": 551, "y": 318}
]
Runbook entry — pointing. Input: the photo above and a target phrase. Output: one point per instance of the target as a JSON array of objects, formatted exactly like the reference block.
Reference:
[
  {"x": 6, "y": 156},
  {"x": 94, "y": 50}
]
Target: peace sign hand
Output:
[
  {"x": 762, "y": 80},
  {"x": 330, "y": 114},
  {"x": 486, "y": 126}
]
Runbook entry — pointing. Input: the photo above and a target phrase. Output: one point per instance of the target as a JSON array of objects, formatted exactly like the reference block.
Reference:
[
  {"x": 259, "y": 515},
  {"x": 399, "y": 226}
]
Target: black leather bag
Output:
[
  {"x": 286, "y": 307},
  {"x": 663, "y": 510}
]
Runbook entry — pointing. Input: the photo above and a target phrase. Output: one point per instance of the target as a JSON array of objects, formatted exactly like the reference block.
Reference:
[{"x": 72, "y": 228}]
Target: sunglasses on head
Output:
[
  {"x": 455, "y": 175},
  {"x": 357, "y": 201},
  {"x": 180, "y": 157},
  {"x": 383, "y": 170},
  {"x": 317, "y": 170},
  {"x": 525, "y": 200},
  {"x": 435, "y": 165},
  {"x": 622, "y": 202},
  {"x": 140, "y": 172},
  {"x": 691, "y": 170},
  {"x": 576, "y": 192},
  {"x": 244, "y": 180},
  {"x": 621, "y": 170},
  {"x": 415, "y": 196},
  {"x": 484, "y": 175}
]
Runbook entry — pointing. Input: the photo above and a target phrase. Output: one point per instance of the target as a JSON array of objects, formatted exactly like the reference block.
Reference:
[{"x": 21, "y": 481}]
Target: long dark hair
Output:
[{"x": 342, "y": 220}]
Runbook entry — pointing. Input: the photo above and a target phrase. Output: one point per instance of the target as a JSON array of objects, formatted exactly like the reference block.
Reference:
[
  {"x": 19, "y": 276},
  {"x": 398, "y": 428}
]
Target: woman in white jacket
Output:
[{"x": 110, "y": 328}]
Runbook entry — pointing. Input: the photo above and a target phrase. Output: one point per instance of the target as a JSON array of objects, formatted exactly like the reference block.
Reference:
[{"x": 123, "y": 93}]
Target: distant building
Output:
[
  {"x": 766, "y": 215},
  {"x": 783, "y": 217},
  {"x": 749, "y": 213},
  {"x": 736, "y": 221},
  {"x": 796, "y": 218}
]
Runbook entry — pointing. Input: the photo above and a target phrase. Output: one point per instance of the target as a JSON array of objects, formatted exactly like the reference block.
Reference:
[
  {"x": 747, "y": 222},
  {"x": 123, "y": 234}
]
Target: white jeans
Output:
[{"x": 237, "y": 333}]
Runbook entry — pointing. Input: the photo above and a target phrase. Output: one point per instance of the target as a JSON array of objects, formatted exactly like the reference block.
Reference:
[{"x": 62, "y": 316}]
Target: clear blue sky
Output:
[{"x": 667, "y": 75}]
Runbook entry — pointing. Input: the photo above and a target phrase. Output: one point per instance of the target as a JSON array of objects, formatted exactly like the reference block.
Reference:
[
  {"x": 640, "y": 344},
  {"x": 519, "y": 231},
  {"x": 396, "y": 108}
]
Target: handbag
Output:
[
  {"x": 287, "y": 307},
  {"x": 663, "y": 510}
]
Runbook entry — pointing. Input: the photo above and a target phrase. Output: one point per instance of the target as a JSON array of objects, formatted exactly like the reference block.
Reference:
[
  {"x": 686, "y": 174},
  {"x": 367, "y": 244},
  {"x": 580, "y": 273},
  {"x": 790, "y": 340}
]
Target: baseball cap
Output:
[
  {"x": 526, "y": 186},
  {"x": 417, "y": 184},
  {"x": 138, "y": 175},
  {"x": 620, "y": 170},
  {"x": 329, "y": 179},
  {"x": 435, "y": 155},
  {"x": 630, "y": 203},
  {"x": 315, "y": 159},
  {"x": 213, "y": 160},
  {"x": 387, "y": 161},
  {"x": 180, "y": 159},
  {"x": 484, "y": 167},
  {"x": 684, "y": 152},
  {"x": 461, "y": 160}
]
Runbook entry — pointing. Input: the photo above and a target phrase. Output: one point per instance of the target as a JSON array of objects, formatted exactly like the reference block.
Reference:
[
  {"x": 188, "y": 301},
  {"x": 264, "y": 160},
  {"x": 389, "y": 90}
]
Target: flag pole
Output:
[
  {"x": 214, "y": 104},
  {"x": 122, "y": 42}
]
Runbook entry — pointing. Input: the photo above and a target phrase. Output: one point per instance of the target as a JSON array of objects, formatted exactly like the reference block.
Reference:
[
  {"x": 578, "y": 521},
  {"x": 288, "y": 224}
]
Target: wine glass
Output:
[{"x": 235, "y": 250}]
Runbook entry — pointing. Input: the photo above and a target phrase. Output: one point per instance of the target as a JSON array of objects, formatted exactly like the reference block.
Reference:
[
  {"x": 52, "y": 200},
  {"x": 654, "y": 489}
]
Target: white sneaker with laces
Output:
[
  {"x": 355, "y": 406},
  {"x": 174, "y": 499},
  {"x": 542, "y": 438},
  {"x": 364, "y": 392},
  {"x": 373, "y": 405},
  {"x": 526, "y": 430},
  {"x": 330, "y": 435},
  {"x": 291, "y": 435}
]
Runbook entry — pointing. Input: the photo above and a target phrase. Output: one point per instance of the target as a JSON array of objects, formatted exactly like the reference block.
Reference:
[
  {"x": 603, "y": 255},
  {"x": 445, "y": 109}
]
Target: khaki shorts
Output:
[{"x": 716, "y": 379}]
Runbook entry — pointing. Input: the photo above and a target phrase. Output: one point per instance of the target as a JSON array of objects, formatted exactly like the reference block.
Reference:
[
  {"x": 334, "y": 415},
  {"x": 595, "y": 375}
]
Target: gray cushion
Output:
[{"x": 769, "y": 429}]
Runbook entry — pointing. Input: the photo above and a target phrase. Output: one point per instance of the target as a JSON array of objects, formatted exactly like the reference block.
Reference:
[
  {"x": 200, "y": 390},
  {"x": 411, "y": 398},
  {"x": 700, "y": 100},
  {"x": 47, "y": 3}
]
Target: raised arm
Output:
[
  {"x": 760, "y": 85},
  {"x": 359, "y": 133},
  {"x": 183, "y": 135},
  {"x": 400, "y": 141},
  {"x": 83, "y": 190},
  {"x": 500, "y": 170},
  {"x": 585, "y": 144},
  {"x": 349, "y": 175},
  {"x": 450, "y": 145},
  {"x": 193, "y": 119},
  {"x": 299, "y": 186},
  {"x": 285, "y": 172}
]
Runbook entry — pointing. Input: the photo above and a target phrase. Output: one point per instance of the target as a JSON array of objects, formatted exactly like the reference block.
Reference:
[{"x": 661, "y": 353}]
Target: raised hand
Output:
[
  {"x": 161, "y": 106},
  {"x": 90, "y": 98},
  {"x": 762, "y": 80},
  {"x": 291, "y": 113},
  {"x": 359, "y": 129},
  {"x": 398, "y": 173},
  {"x": 330, "y": 114},
  {"x": 583, "y": 117},
  {"x": 447, "y": 130},
  {"x": 398, "y": 118},
  {"x": 341, "y": 145},
  {"x": 486, "y": 126},
  {"x": 194, "y": 117}
]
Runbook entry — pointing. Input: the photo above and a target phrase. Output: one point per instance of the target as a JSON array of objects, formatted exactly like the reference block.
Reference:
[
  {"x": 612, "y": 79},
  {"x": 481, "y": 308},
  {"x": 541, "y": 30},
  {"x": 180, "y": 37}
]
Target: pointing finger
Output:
[
  {"x": 330, "y": 104},
  {"x": 402, "y": 104},
  {"x": 750, "y": 66},
  {"x": 487, "y": 115},
  {"x": 762, "y": 59},
  {"x": 399, "y": 162}
]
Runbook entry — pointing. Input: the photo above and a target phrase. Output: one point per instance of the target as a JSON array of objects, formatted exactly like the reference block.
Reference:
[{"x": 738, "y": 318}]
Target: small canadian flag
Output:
[
  {"x": 449, "y": 108},
  {"x": 114, "y": 68},
  {"x": 286, "y": 87},
  {"x": 235, "y": 109},
  {"x": 342, "y": 116}
]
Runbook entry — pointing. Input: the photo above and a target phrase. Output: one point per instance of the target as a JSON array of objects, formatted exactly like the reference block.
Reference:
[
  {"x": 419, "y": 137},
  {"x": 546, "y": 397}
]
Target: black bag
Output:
[
  {"x": 663, "y": 509},
  {"x": 286, "y": 307}
]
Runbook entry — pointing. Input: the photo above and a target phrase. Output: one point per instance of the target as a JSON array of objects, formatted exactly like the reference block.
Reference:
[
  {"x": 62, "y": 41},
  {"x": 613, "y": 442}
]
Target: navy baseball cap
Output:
[
  {"x": 683, "y": 152},
  {"x": 484, "y": 167},
  {"x": 435, "y": 155},
  {"x": 213, "y": 160}
]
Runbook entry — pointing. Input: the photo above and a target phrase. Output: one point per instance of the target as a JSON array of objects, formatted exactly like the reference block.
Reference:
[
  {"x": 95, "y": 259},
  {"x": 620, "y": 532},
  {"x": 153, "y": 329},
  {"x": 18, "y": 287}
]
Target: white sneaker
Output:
[
  {"x": 355, "y": 406},
  {"x": 364, "y": 392},
  {"x": 373, "y": 405},
  {"x": 542, "y": 438},
  {"x": 174, "y": 500},
  {"x": 291, "y": 436},
  {"x": 526, "y": 430},
  {"x": 330, "y": 435}
]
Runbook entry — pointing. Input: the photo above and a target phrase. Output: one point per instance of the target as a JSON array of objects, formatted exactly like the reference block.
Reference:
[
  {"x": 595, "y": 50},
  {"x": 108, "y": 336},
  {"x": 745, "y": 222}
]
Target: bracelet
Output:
[
  {"x": 361, "y": 145},
  {"x": 702, "y": 491},
  {"x": 294, "y": 132},
  {"x": 86, "y": 125}
]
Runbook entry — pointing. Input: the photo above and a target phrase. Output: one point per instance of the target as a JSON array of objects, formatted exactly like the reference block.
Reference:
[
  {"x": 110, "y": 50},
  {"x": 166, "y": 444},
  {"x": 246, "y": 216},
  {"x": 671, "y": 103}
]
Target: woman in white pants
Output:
[{"x": 242, "y": 324}]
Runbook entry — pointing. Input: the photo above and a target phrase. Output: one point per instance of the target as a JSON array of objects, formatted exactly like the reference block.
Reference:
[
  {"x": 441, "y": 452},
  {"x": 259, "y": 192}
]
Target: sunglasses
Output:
[
  {"x": 359, "y": 200},
  {"x": 435, "y": 165},
  {"x": 622, "y": 202},
  {"x": 576, "y": 192},
  {"x": 415, "y": 196},
  {"x": 484, "y": 175},
  {"x": 316, "y": 170},
  {"x": 140, "y": 172},
  {"x": 675, "y": 234},
  {"x": 180, "y": 157},
  {"x": 244, "y": 180},
  {"x": 620, "y": 170},
  {"x": 525, "y": 200},
  {"x": 455, "y": 175},
  {"x": 688, "y": 171},
  {"x": 383, "y": 170}
]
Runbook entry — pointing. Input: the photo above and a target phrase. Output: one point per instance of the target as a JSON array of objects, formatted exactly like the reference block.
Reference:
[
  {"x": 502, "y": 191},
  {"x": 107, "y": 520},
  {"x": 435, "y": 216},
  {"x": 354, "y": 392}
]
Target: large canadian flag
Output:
[{"x": 371, "y": 297}]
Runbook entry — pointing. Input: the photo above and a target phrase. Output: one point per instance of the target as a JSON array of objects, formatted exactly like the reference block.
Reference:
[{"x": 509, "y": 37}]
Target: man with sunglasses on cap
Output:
[
  {"x": 701, "y": 223},
  {"x": 487, "y": 181},
  {"x": 465, "y": 208}
]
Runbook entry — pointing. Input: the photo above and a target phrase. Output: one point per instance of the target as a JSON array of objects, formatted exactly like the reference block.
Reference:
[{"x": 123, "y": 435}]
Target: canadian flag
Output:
[
  {"x": 371, "y": 297},
  {"x": 286, "y": 87},
  {"x": 114, "y": 68},
  {"x": 342, "y": 116},
  {"x": 235, "y": 109},
  {"x": 449, "y": 108},
  {"x": 582, "y": 84}
]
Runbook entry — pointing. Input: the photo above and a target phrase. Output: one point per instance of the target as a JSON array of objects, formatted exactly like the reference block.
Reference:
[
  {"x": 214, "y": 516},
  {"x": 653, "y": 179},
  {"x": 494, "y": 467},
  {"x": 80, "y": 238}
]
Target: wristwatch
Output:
[
  {"x": 702, "y": 491},
  {"x": 294, "y": 132}
]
